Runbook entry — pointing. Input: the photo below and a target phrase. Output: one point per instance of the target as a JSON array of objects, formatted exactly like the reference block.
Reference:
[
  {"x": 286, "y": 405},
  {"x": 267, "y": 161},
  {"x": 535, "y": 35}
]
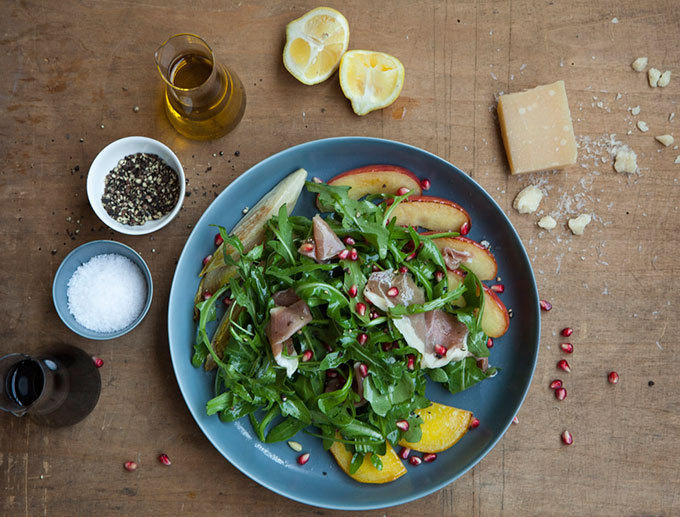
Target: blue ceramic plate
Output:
[{"x": 321, "y": 482}]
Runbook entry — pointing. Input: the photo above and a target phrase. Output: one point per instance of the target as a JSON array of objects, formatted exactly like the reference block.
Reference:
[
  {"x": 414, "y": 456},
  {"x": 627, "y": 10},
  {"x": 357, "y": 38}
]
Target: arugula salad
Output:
[{"x": 333, "y": 325}]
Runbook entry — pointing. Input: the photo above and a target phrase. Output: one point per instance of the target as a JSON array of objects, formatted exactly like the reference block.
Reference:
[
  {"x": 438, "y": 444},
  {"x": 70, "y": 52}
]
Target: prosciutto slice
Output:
[
  {"x": 421, "y": 331},
  {"x": 454, "y": 258},
  {"x": 284, "y": 322},
  {"x": 327, "y": 243}
]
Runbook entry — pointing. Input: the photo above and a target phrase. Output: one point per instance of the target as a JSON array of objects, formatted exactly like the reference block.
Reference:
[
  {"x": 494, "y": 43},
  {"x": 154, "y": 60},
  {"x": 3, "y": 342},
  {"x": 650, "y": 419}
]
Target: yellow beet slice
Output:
[
  {"x": 392, "y": 469},
  {"x": 442, "y": 427}
]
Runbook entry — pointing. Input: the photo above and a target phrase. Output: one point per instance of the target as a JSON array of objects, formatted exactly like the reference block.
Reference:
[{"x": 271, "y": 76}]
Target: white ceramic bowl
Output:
[{"x": 104, "y": 163}]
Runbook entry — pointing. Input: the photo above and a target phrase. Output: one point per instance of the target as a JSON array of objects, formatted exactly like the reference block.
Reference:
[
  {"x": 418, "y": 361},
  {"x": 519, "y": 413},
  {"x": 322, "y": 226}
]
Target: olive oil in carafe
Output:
[{"x": 190, "y": 71}]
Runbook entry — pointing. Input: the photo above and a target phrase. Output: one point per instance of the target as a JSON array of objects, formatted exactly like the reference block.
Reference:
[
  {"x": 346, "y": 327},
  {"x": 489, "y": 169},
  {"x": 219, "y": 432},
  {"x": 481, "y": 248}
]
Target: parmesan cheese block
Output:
[{"x": 537, "y": 129}]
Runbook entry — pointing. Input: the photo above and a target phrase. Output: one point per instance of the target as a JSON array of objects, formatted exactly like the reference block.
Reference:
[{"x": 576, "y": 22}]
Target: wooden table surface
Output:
[{"x": 72, "y": 73}]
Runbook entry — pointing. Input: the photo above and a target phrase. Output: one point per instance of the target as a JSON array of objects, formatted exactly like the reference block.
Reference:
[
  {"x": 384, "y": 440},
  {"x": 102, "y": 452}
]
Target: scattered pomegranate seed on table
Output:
[
  {"x": 218, "y": 239},
  {"x": 98, "y": 361},
  {"x": 402, "y": 191},
  {"x": 489, "y": 342},
  {"x": 474, "y": 423},
  {"x": 361, "y": 308},
  {"x": 362, "y": 338},
  {"x": 465, "y": 228},
  {"x": 546, "y": 305},
  {"x": 130, "y": 466},
  {"x": 392, "y": 292},
  {"x": 567, "y": 347},
  {"x": 207, "y": 259},
  {"x": 613, "y": 377},
  {"x": 303, "y": 458},
  {"x": 515, "y": 420},
  {"x": 560, "y": 393},
  {"x": 567, "y": 438},
  {"x": 307, "y": 356},
  {"x": 352, "y": 291},
  {"x": 567, "y": 331},
  {"x": 403, "y": 425},
  {"x": 404, "y": 453},
  {"x": 429, "y": 457},
  {"x": 415, "y": 460},
  {"x": 499, "y": 288},
  {"x": 349, "y": 241},
  {"x": 562, "y": 364},
  {"x": 557, "y": 383},
  {"x": 163, "y": 458}
]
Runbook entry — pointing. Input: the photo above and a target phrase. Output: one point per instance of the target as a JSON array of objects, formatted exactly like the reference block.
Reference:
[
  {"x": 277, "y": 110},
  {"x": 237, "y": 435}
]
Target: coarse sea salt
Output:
[{"x": 106, "y": 293}]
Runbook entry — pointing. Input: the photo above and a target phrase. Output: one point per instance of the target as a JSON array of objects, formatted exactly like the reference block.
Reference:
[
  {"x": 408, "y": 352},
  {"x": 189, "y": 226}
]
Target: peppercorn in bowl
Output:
[{"x": 136, "y": 185}]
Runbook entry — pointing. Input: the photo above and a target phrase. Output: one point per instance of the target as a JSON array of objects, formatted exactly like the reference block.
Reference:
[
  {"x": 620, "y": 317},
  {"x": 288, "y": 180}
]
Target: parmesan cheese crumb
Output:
[
  {"x": 639, "y": 64},
  {"x": 547, "y": 223},
  {"x": 665, "y": 139},
  {"x": 664, "y": 79},
  {"x": 677, "y": 159},
  {"x": 653, "y": 76},
  {"x": 625, "y": 161},
  {"x": 528, "y": 199},
  {"x": 578, "y": 224},
  {"x": 642, "y": 126},
  {"x": 635, "y": 110}
]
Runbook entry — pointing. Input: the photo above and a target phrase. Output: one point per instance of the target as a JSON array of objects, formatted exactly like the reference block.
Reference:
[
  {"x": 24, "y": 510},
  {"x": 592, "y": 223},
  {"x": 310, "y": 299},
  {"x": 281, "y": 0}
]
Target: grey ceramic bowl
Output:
[{"x": 76, "y": 258}]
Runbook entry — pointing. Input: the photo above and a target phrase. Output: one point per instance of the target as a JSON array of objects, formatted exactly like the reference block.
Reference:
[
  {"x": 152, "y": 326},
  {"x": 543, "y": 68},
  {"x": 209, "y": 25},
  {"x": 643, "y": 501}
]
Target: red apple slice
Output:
[
  {"x": 495, "y": 320},
  {"x": 432, "y": 213},
  {"x": 377, "y": 179},
  {"x": 479, "y": 259}
]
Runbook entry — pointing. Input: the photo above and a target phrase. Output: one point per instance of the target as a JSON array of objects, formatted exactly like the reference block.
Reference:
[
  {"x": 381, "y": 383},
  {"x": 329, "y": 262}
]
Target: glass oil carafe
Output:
[{"x": 203, "y": 98}]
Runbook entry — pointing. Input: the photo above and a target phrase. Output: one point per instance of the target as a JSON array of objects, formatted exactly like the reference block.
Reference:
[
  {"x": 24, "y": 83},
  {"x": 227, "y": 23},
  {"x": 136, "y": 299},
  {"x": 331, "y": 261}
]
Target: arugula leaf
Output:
[{"x": 465, "y": 373}]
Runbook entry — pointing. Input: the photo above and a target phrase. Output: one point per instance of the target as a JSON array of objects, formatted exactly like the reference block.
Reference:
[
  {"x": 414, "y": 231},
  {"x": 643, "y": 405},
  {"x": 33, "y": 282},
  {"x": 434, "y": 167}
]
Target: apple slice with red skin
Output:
[
  {"x": 480, "y": 260},
  {"x": 377, "y": 179},
  {"x": 495, "y": 320},
  {"x": 432, "y": 213}
]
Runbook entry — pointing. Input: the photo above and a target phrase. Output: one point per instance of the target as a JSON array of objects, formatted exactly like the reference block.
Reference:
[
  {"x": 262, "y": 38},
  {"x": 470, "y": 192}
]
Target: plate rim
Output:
[{"x": 533, "y": 292}]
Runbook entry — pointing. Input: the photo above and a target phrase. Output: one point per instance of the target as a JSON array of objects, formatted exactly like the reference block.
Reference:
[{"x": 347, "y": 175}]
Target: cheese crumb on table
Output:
[
  {"x": 639, "y": 64},
  {"x": 625, "y": 161},
  {"x": 653, "y": 75},
  {"x": 677, "y": 159},
  {"x": 664, "y": 79},
  {"x": 665, "y": 139},
  {"x": 537, "y": 129},
  {"x": 642, "y": 126},
  {"x": 547, "y": 223},
  {"x": 528, "y": 199},
  {"x": 635, "y": 110},
  {"x": 578, "y": 224}
]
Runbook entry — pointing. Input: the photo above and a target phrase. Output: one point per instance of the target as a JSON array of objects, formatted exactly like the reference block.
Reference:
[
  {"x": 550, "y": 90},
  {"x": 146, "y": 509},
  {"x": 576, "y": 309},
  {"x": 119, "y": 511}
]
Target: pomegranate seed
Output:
[
  {"x": 307, "y": 356},
  {"x": 387, "y": 347},
  {"x": 163, "y": 458},
  {"x": 352, "y": 291},
  {"x": 425, "y": 184},
  {"x": 303, "y": 458},
  {"x": 308, "y": 246},
  {"x": 98, "y": 361},
  {"x": 207, "y": 259},
  {"x": 218, "y": 239},
  {"x": 130, "y": 465},
  {"x": 410, "y": 257},
  {"x": 349, "y": 241},
  {"x": 343, "y": 254},
  {"x": 567, "y": 348},
  {"x": 331, "y": 374},
  {"x": 316, "y": 179},
  {"x": 562, "y": 364},
  {"x": 440, "y": 350},
  {"x": 374, "y": 315},
  {"x": 402, "y": 191},
  {"x": 499, "y": 288},
  {"x": 489, "y": 342},
  {"x": 613, "y": 377},
  {"x": 560, "y": 393},
  {"x": 557, "y": 383},
  {"x": 353, "y": 254},
  {"x": 404, "y": 453},
  {"x": 362, "y": 338},
  {"x": 438, "y": 276},
  {"x": 410, "y": 361},
  {"x": 392, "y": 292},
  {"x": 515, "y": 420},
  {"x": 567, "y": 438},
  {"x": 415, "y": 460},
  {"x": 567, "y": 331},
  {"x": 328, "y": 347},
  {"x": 403, "y": 425},
  {"x": 361, "y": 308},
  {"x": 363, "y": 370},
  {"x": 403, "y": 269},
  {"x": 474, "y": 423},
  {"x": 206, "y": 295},
  {"x": 546, "y": 305},
  {"x": 430, "y": 457},
  {"x": 464, "y": 228},
  {"x": 226, "y": 301}
]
